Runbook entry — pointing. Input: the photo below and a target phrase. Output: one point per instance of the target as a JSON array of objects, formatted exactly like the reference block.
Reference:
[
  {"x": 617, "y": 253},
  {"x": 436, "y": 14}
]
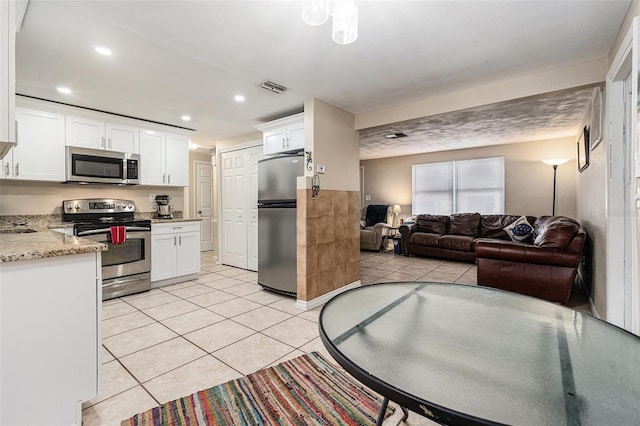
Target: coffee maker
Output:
[{"x": 163, "y": 209}]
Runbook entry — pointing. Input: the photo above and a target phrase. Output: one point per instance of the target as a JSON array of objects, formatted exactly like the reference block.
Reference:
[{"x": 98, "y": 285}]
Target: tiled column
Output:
[{"x": 328, "y": 243}]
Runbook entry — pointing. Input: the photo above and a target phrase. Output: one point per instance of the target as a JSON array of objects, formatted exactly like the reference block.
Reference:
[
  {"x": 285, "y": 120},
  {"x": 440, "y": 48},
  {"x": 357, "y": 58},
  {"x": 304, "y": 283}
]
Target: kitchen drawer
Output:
[{"x": 174, "y": 227}]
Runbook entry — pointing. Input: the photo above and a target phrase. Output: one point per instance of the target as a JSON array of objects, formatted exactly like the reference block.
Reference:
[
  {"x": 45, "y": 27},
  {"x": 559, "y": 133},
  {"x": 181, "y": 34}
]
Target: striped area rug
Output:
[{"x": 306, "y": 390}]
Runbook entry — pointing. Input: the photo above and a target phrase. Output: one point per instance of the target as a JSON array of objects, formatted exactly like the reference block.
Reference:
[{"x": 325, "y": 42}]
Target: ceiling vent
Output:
[
  {"x": 273, "y": 87},
  {"x": 395, "y": 135}
]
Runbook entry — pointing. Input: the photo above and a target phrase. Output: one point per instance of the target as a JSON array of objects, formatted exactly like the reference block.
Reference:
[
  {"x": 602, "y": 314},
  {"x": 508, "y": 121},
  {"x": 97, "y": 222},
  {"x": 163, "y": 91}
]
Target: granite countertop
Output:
[
  {"x": 39, "y": 245},
  {"x": 29, "y": 237}
]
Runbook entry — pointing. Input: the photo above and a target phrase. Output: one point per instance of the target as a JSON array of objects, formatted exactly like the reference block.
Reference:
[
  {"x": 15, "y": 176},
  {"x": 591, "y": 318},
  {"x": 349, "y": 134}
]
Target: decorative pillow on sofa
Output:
[{"x": 520, "y": 231}]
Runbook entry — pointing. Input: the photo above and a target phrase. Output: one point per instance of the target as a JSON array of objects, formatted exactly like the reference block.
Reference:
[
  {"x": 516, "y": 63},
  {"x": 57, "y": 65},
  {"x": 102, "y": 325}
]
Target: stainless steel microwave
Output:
[{"x": 99, "y": 166}]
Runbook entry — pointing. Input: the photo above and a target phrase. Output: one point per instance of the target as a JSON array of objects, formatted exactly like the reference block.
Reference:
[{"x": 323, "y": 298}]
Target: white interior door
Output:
[
  {"x": 204, "y": 203},
  {"x": 234, "y": 226},
  {"x": 255, "y": 155}
]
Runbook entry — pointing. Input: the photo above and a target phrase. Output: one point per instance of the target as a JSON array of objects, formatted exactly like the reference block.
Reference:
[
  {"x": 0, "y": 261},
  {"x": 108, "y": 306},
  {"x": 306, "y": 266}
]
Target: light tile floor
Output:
[{"x": 175, "y": 340}]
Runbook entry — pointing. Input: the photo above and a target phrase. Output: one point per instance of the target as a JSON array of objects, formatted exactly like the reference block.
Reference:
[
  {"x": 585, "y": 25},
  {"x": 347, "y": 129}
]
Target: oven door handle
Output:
[{"x": 107, "y": 230}]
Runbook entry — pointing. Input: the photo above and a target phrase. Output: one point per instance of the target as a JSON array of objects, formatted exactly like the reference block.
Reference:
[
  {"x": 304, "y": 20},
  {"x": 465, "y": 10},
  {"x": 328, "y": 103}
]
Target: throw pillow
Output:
[{"x": 520, "y": 230}]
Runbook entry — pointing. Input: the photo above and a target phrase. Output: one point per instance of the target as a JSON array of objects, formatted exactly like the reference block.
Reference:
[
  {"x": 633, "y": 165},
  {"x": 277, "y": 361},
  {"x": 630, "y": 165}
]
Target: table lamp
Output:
[{"x": 396, "y": 212}]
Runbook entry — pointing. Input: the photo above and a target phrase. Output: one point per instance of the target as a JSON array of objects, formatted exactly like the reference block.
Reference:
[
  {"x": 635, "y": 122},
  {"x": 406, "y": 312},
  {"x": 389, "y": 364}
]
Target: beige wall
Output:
[
  {"x": 27, "y": 198},
  {"x": 528, "y": 181},
  {"x": 327, "y": 226},
  {"x": 329, "y": 135},
  {"x": 591, "y": 191},
  {"x": 568, "y": 76}
]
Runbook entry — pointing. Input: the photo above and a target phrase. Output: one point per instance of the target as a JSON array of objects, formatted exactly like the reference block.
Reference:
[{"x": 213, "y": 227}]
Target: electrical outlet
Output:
[
  {"x": 367, "y": 197},
  {"x": 320, "y": 168},
  {"x": 152, "y": 197}
]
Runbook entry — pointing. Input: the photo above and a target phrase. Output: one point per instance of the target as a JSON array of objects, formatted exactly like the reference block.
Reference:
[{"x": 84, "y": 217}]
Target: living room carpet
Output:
[{"x": 306, "y": 390}]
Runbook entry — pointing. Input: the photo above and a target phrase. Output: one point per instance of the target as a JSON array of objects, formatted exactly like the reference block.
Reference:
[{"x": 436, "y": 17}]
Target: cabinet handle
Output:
[
  {"x": 110, "y": 143},
  {"x": 174, "y": 240},
  {"x": 104, "y": 144},
  {"x": 169, "y": 179},
  {"x": 180, "y": 238},
  {"x": 283, "y": 142},
  {"x": 17, "y": 169},
  {"x": 6, "y": 169},
  {"x": 288, "y": 144},
  {"x": 164, "y": 180}
]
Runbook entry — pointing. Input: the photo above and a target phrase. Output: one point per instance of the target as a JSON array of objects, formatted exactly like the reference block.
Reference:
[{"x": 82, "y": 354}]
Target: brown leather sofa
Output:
[
  {"x": 453, "y": 237},
  {"x": 544, "y": 267}
]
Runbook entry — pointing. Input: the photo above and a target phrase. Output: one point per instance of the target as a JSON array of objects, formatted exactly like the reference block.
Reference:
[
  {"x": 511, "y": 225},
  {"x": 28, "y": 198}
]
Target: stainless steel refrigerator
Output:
[{"x": 277, "y": 222}]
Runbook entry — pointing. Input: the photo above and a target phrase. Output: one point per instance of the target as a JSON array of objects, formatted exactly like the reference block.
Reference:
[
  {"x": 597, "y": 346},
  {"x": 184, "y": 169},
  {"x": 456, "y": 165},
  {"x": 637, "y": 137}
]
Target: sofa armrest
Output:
[
  {"x": 525, "y": 253},
  {"x": 405, "y": 232}
]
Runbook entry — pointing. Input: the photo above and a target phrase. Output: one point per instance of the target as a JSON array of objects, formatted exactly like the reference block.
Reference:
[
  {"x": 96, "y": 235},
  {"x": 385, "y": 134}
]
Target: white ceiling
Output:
[{"x": 191, "y": 57}]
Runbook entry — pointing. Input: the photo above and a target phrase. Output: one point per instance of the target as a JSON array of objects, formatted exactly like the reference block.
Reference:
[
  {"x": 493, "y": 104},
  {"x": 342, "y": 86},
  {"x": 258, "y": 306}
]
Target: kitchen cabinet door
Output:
[
  {"x": 7, "y": 71},
  {"x": 295, "y": 136},
  {"x": 122, "y": 138},
  {"x": 163, "y": 256},
  {"x": 152, "y": 157},
  {"x": 39, "y": 151},
  {"x": 177, "y": 160},
  {"x": 188, "y": 253},
  {"x": 85, "y": 133},
  {"x": 50, "y": 339},
  {"x": 274, "y": 141}
]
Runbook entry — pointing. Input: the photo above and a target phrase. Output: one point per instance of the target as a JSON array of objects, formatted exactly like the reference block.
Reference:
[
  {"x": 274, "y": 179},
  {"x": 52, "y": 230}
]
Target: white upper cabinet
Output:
[
  {"x": 177, "y": 160},
  {"x": 164, "y": 158},
  {"x": 286, "y": 134},
  {"x": 7, "y": 75},
  {"x": 39, "y": 150},
  {"x": 152, "y": 154},
  {"x": 87, "y": 133},
  {"x": 122, "y": 138}
]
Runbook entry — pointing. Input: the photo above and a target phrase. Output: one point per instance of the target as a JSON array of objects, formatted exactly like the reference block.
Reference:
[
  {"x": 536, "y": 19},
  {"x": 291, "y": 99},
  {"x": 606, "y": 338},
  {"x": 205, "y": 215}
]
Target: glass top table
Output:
[{"x": 473, "y": 355}]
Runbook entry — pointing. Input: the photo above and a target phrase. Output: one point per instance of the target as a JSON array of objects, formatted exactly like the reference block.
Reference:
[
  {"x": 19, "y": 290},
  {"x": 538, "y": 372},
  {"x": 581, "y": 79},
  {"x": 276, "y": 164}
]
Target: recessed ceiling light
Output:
[
  {"x": 186, "y": 118},
  {"x": 64, "y": 90},
  {"x": 395, "y": 135},
  {"x": 239, "y": 98},
  {"x": 105, "y": 51}
]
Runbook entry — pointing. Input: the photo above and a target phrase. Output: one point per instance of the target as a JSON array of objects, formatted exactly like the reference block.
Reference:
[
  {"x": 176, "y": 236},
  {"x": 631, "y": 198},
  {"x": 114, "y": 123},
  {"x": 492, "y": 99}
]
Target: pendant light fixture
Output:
[{"x": 344, "y": 28}]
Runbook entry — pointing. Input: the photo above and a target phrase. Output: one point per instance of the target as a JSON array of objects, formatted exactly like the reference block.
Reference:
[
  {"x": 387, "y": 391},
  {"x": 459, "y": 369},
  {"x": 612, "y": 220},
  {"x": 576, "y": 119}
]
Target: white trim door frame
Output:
[{"x": 622, "y": 302}]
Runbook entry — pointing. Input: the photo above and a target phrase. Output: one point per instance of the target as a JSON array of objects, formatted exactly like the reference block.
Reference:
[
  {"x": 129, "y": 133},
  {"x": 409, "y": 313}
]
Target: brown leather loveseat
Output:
[
  {"x": 544, "y": 265},
  {"x": 545, "y": 268}
]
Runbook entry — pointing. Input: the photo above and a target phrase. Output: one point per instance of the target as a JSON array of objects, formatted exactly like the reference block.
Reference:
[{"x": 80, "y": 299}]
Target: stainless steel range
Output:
[{"x": 126, "y": 266}]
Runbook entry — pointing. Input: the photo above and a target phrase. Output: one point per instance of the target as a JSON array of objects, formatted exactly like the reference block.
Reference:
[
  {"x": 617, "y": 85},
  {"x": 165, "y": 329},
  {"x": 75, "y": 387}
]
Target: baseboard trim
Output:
[
  {"x": 307, "y": 305},
  {"x": 593, "y": 308},
  {"x": 175, "y": 280}
]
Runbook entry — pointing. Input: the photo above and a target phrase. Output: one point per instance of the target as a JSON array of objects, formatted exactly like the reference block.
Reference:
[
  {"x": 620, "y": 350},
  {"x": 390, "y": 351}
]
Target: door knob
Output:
[{"x": 199, "y": 211}]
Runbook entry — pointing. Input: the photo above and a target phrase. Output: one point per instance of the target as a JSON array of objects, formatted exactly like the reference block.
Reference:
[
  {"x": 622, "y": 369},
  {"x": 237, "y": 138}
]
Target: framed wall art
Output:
[
  {"x": 583, "y": 149},
  {"x": 595, "y": 128}
]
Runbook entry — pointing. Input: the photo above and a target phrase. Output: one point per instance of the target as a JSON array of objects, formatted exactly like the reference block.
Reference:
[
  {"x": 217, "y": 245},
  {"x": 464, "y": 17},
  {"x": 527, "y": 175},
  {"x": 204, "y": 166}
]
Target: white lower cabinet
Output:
[
  {"x": 50, "y": 345},
  {"x": 175, "y": 251}
]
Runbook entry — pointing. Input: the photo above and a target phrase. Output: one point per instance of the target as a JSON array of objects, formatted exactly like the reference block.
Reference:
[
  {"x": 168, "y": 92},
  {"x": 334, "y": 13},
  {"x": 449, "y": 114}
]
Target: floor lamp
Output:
[{"x": 555, "y": 162}]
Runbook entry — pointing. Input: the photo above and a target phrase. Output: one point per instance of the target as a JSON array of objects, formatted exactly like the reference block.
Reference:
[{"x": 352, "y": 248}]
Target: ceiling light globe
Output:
[
  {"x": 316, "y": 12},
  {"x": 105, "y": 51},
  {"x": 239, "y": 98}
]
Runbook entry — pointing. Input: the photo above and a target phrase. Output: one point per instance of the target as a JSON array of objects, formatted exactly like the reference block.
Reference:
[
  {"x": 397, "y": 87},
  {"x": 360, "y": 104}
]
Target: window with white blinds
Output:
[{"x": 465, "y": 186}]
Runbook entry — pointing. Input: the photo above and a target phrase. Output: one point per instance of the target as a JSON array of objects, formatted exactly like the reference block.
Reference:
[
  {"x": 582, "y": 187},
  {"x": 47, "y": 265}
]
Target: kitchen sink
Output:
[{"x": 17, "y": 231}]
